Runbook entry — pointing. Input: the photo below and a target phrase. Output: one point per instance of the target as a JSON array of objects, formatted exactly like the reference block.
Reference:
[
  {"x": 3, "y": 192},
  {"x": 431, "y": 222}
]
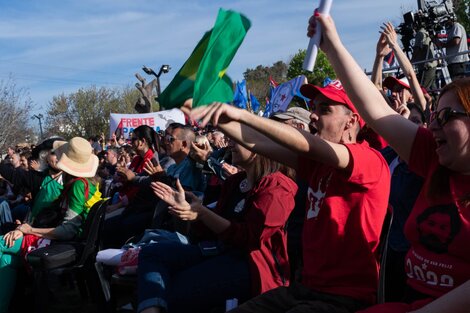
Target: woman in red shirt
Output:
[{"x": 145, "y": 143}]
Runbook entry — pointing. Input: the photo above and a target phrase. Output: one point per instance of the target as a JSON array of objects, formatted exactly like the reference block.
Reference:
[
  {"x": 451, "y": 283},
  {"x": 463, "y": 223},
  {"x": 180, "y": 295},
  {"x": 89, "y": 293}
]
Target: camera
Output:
[{"x": 433, "y": 16}]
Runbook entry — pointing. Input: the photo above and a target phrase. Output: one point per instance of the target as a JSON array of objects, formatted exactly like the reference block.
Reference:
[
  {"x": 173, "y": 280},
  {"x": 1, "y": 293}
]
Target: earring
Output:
[{"x": 350, "y": 137}]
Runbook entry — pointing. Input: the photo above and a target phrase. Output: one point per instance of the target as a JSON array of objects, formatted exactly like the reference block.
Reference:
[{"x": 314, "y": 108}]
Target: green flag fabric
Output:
[{"x": 202, "y": 77}]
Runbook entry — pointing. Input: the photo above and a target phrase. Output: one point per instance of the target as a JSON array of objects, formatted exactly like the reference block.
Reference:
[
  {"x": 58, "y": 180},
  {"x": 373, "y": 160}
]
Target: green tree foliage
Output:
[
  {"x": 257, "y": 79},
  {"x": 86, "y": 112},
  {"x": 15, "y": 110},
  {"x": 321, "y": 70},
  {"x": 462, "y": 10}
]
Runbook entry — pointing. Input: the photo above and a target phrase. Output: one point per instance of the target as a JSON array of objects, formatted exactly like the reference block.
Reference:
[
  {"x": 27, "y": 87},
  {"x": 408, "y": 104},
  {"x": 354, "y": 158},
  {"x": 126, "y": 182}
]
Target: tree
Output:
[
  {"x": 462, "y": 10},
  {"x": 15, "y": 107},
  {"x": 322, "y": 69},
  {"x": 86, "y": 112},
  {"x": 257, "y": 79}
]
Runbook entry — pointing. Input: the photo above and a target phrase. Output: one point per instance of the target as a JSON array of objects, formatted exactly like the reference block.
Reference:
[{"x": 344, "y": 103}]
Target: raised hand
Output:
[
  {"x": 403, "y": 111},
  {"x": 190, "y": 213},
  {"x": 125, "y": 173},
  {"x": 330, "y": 35},
  {"x": 215, "y": 113},
  {"x": 200, "y": 153},
  {"x": 151, "y": 168},
  {"x": 174, "y": 197},
  {"x": 34, "y": 165},
  {"x": 389, "y": 33},
  {"x": 121, "y": 161},
  {"x": 382, "y": 48}
]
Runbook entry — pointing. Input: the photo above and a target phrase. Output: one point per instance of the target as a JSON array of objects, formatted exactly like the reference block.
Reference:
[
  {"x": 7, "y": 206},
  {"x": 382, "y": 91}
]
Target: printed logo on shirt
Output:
[
  {"x": 315, "y": 198},
  {"x": 433, "y": 273},
  {"x": 437, "y": 227}
]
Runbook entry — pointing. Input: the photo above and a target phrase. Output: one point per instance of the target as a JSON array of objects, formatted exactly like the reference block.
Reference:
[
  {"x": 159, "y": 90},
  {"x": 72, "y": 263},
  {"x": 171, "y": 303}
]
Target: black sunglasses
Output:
[{"x": 444, "y": 115}]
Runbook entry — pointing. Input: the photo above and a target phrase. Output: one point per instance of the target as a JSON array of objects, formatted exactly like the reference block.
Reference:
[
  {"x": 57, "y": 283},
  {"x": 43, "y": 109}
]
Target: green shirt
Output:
[
  {"x": 49, "y": 191},
  {"x": 77, "y": 207}
]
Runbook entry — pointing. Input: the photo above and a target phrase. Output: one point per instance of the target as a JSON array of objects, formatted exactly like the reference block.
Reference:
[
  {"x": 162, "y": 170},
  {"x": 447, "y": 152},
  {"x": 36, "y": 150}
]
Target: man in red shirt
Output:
[{"x": 347, "y": 199}]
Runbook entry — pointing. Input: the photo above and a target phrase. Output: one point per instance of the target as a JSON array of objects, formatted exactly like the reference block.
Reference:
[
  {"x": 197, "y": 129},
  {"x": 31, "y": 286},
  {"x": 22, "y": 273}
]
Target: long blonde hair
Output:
[{"x": 264, "y": 166}]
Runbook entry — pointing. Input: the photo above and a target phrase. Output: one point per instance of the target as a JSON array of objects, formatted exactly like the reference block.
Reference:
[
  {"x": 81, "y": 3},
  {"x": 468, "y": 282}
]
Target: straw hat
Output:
[{"x": 76, "y": 157}]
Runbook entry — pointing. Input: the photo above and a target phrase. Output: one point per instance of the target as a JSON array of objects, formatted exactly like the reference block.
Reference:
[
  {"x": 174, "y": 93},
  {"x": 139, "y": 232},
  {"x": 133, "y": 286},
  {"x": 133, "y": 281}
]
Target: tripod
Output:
[{"x": 439, "y": 54}]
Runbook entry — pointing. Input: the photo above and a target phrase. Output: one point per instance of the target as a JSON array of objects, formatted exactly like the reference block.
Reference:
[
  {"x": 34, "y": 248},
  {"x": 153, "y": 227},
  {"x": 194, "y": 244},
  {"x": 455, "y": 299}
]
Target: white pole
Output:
[{"x": 314, "y": 43}]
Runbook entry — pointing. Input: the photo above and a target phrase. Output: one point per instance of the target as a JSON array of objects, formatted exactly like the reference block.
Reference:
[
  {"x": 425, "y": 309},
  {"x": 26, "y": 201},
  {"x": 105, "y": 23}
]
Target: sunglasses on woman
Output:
[{"x": 444, "y": 115}]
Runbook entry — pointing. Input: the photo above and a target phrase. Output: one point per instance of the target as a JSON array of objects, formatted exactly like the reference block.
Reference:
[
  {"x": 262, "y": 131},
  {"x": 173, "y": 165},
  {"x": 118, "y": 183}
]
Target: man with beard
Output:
[{"x": 437, "y": 227}]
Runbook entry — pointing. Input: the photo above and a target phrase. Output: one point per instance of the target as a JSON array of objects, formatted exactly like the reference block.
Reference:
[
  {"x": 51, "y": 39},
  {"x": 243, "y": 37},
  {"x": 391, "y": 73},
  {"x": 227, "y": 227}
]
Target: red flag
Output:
[
  {"x": 272, "y": 82},
  {"x": 118, "y": 132}
]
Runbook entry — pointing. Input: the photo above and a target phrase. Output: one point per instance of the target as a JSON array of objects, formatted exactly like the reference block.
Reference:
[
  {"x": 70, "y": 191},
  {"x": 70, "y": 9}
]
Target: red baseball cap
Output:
[
  {"x": 391, "y": 81},
  {"x": 333, "y": 91}
]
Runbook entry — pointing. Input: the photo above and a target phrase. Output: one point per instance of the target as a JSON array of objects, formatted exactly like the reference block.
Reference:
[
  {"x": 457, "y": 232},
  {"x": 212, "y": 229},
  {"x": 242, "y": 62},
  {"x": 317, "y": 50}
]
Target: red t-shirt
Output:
[
  {"x": 439, "y": 231},
  {"x": 137, "y": 166},
  {"x": 344, "y": 218},
  {"x": 375, "y": 140},
  {"x": 257, "y": 227},
  {"x": 138, "y": 162}
]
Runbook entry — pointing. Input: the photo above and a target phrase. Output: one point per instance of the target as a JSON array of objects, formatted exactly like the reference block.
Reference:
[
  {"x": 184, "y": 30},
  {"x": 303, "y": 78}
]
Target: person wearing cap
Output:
[
  {"x": 437, "y": 264},
  {"x": 295, "y": 116},
  {"x": 406, "y": 89},
  {"x": 347, "y": 198},
  {"x": 78, "y": 163}
]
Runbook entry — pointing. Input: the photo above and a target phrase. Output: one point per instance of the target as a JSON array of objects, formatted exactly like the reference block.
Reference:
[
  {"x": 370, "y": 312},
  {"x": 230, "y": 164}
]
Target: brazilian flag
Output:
[{"x": 202, "y": 76}]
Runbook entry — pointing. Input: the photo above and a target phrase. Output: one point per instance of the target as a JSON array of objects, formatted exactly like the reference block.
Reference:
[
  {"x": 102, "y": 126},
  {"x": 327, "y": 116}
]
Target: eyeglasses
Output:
[
  {"x": 444, "y": 115},
  {"x": 169, "y": 138}
]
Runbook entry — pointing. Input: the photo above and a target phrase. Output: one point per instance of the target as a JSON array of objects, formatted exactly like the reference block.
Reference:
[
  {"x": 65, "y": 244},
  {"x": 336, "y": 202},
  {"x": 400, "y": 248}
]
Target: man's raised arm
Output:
[{"x": 299, "y": 142}]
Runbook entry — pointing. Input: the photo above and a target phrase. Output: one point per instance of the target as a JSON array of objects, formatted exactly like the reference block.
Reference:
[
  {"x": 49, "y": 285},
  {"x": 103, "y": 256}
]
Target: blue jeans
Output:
[{"x": 178, "y": 278}]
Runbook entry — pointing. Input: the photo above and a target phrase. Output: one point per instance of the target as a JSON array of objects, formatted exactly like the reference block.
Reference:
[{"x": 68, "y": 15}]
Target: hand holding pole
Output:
[{"x": 314, "y": 43}]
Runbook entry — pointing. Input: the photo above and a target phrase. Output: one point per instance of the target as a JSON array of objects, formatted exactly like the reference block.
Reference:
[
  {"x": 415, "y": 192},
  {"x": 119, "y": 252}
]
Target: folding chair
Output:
[{"x": 74, "y": 256}]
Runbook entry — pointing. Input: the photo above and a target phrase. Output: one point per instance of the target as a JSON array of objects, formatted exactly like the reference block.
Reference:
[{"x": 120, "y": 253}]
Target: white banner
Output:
[{"x": 157, "y": 120}]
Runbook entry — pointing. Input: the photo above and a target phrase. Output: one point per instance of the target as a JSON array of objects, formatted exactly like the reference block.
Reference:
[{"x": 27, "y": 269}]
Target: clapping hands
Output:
[{"x": 176, "y": 199}]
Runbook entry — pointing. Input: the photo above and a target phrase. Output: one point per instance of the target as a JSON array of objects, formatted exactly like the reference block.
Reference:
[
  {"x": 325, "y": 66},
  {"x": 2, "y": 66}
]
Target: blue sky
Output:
[{"x": 53, "y": 47}]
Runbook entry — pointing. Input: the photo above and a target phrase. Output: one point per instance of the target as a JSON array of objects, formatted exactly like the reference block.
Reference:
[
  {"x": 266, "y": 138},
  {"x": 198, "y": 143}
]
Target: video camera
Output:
[{"x": 434, "y": 15}]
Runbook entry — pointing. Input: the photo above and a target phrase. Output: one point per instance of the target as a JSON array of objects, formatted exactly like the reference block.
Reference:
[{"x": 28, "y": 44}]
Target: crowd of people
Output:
[{"x": 285, "y": 214}]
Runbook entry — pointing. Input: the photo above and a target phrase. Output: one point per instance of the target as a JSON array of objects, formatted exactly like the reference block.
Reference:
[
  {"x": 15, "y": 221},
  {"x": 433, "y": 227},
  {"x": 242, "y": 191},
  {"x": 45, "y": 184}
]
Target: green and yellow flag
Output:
[{"x": 202, "y": 76}]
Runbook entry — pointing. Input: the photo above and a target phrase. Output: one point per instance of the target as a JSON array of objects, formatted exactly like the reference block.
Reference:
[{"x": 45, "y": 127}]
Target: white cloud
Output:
[{"x": 58, "y": 46}]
